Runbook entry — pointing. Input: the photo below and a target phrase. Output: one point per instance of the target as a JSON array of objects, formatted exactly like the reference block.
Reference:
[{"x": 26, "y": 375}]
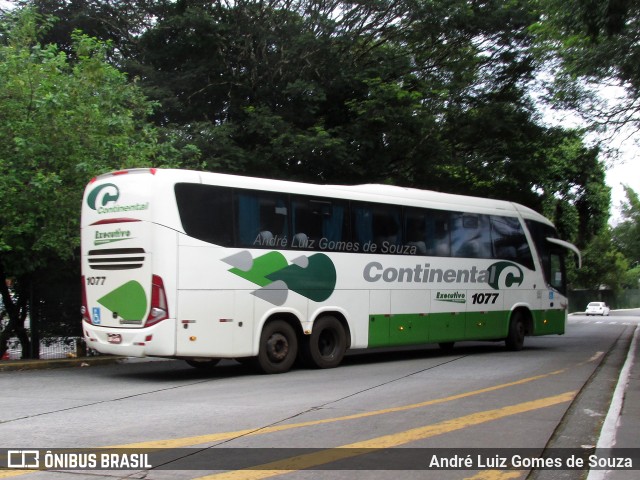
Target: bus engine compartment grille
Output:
[{"x": 116, "y": 258}]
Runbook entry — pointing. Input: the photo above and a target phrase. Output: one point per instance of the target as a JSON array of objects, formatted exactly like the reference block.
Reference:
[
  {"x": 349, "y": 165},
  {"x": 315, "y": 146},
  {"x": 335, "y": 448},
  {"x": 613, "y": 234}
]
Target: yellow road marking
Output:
[
  {"x": 316, "y": 459},
  {"x": 497, "y": 475},
  {"x": 14, "y": 473},
  {"x": 217, "y": 437}
]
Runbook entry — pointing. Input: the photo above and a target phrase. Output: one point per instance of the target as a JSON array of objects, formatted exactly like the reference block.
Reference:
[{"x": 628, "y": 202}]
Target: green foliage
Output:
[
  {"x": 603, "y": 265},
  {"x": 626, "y": 235},
  {"x": 588, "y": 42},
  {"x": 62, "y": 123},
  {"x": 632, "y": 278}
]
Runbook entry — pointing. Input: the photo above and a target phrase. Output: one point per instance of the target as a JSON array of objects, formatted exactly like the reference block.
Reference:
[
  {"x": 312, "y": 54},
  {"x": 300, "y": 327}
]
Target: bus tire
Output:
[
  {"x": 204, "y": 364},
  {"x": 278, "y": 347},
  {"x": 326, "y": 345},
  {"x": 517, "y": 329},
  {"x": 446, "y": 347}
]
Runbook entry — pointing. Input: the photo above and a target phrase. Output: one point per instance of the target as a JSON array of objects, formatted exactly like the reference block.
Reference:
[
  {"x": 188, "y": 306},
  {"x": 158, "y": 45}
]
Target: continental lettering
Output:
[
  {"x": 423, "y": 273},
  {"x": 499, "y": 275},
  {"x": 123, "y": 208}
]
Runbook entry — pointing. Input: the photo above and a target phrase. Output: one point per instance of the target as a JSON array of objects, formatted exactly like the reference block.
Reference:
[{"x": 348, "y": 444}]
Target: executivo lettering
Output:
[
  {"x": 453, "y": 297},
  {"x": 499, "y": 275},
  {"x": 110, "y": 237}
]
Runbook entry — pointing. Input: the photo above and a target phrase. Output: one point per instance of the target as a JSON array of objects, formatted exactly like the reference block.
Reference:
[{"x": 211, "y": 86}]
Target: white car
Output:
[{"x": 597, "y": 308}]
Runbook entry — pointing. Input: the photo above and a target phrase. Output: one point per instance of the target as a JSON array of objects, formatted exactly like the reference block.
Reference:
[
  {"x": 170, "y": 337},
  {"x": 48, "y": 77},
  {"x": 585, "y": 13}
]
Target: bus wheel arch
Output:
[
  {"x": 329, "y": 340},
  {"x": 279, "y": 341},
  {"x": 520, "y": 325}
]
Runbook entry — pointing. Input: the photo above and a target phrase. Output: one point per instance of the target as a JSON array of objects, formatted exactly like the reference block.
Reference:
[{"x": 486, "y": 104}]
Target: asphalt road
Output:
[{"x": 554, "y": 394}]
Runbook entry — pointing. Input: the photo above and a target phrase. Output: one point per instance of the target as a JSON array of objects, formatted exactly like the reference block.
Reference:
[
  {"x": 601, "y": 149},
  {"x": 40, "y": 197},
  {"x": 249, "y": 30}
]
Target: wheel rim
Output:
[
  {"x": 327, "y": 343},
  {"x": 520, "y": 331},
  {"x": 277, "y": 347}
]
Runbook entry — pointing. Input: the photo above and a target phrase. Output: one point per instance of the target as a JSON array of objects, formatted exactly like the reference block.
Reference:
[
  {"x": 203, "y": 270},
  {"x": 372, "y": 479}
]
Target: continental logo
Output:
[
  {"x": 499, "y": 275},
  {"x": 103, "y": 199},
  {"x": 103, "y": 195},
  {"x": 313, "y": 277}
]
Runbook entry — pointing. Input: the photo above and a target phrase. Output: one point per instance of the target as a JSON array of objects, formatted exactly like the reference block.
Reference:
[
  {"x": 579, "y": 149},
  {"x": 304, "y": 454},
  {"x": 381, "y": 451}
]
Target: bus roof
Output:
[{"x": 367, "y": 192}]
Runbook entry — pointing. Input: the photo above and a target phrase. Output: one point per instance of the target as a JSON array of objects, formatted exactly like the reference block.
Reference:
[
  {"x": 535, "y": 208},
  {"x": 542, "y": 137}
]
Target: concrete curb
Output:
[{"x": 16, "y": 365}]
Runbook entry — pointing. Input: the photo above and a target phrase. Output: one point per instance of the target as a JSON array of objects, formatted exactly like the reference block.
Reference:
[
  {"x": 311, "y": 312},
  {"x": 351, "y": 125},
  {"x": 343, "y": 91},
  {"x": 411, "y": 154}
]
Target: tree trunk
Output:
[{"x": 16, "y": 320}]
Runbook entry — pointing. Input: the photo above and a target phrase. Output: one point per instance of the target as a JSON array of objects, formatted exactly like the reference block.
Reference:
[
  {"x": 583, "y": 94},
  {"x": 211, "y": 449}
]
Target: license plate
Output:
[{"x": 114, "y": 338}]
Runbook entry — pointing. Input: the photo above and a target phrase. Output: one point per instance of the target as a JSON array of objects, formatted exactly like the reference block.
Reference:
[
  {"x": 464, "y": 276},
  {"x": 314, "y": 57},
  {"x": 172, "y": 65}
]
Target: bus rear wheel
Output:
[
  {"x": 278, "y": 347},
  {"x": 326, "y": 345},
  {"x": 515, "y": 338}
]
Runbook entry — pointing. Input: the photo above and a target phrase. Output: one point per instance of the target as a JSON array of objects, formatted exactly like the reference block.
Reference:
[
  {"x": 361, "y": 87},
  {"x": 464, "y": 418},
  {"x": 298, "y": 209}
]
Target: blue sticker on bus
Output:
[{"x": 95, "y": 315}]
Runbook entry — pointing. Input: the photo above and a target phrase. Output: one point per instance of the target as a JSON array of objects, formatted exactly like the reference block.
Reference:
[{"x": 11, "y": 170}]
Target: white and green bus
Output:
[{"x": 203, "y": 266}]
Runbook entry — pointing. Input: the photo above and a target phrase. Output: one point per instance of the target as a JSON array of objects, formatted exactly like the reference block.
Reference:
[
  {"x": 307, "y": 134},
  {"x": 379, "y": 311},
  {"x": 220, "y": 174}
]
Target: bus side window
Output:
[
  {"x": 362, "y": 226},
  {"x": 261, "y": 219},
  {"x": 470, "y": 236},
  {"x": 377, "y": 224},
  {"x": 557, "y": 270},
  {"x": 302, "y": 223},
  {"x": 439, "y": 234},
  {"x": 509, "y": 241},
  {"x": 334, "y": 221},
  {"x": 414, "y": 231},
  {"x": 386, "y": 227}
]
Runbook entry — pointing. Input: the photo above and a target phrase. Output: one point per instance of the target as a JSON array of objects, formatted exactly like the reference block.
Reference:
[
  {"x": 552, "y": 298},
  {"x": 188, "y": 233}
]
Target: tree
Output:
[
  {"x": 602, "y": 265},
  {"x": 425, "y": 94},
  {"x": 62, "y": 123},
  {"x": 588, "y": 44},
  {"x": 626, "y": 235}
]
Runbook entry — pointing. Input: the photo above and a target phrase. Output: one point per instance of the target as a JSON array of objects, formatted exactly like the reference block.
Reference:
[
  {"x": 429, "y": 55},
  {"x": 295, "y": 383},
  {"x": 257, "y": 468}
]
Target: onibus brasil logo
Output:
[{"x": 313, "y": 276}]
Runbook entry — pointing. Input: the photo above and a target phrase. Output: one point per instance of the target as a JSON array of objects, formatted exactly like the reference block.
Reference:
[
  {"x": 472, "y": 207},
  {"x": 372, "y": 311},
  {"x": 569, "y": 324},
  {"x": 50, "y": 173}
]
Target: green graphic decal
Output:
[
  {"x": 261, "y": 267},
  {"x": 129, "y": 301},
  {"x": 316, "y": 281},
  {"x": 313, "y": 277}
]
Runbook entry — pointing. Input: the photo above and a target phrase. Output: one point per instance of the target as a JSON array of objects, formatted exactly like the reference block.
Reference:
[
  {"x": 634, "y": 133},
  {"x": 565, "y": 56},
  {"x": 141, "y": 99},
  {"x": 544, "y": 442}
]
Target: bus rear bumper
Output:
[{"x": 157, "y": 340}]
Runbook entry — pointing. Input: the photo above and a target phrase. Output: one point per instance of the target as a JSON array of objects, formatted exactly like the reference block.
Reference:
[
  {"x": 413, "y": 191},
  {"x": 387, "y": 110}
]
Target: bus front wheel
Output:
[
  {"x": 446, "y": 347},
  {"x": 278, "y": 347},
  {"x": 515, "y": 338},
  {"x": 326, "y": 345}
]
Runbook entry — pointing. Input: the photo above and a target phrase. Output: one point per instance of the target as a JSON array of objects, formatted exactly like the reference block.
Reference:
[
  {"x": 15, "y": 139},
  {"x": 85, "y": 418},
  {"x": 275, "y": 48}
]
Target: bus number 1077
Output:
[{"x": 484, "y": 298}]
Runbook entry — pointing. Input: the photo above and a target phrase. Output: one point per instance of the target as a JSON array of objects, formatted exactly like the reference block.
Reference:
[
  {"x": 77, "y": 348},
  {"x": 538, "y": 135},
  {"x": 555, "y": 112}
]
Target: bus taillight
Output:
[
  {"x": 159, "y": 309},
  {"x": 84, "y": 308}
]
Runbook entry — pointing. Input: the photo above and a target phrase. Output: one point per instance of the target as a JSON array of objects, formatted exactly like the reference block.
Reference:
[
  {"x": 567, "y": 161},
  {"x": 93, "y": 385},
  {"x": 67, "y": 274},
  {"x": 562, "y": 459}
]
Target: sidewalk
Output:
[
  {"x": 621, "y": 427},
  {"x": 12, "y": 365}
]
